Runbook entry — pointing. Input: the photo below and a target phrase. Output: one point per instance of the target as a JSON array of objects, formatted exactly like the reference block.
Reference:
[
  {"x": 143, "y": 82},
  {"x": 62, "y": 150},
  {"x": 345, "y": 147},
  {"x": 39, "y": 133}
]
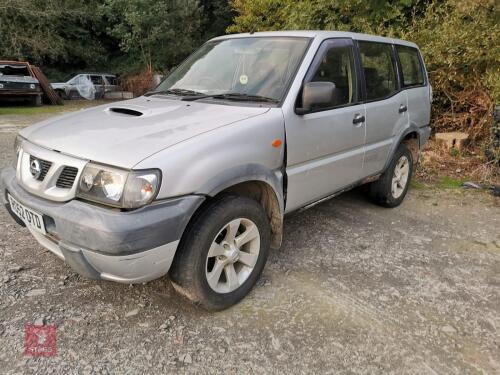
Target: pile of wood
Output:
[{"x": 48, "y": 92}]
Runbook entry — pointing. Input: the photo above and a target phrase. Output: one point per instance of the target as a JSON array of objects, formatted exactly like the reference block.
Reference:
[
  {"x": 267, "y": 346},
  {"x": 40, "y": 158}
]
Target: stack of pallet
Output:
[{"x": 45, "y": 85}]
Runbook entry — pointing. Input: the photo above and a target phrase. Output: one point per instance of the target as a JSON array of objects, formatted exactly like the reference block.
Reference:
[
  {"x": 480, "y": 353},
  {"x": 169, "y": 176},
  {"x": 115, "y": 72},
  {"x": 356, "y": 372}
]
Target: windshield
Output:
[
  {"x": 14, "y": 70},
  {"x": 251, "y": 66}
]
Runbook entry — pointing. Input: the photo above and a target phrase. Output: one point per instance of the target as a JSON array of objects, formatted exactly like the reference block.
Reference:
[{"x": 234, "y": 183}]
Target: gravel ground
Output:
[{"x": 354, "y": 289}]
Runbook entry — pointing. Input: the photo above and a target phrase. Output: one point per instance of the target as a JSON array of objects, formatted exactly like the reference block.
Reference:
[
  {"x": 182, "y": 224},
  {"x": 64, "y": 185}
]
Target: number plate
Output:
[{"x": 27, "y": 215}]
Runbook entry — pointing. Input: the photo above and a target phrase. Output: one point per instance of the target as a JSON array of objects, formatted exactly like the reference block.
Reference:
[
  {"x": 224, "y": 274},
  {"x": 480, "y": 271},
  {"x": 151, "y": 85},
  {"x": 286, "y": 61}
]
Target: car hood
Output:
[{"x": 124, "y": 133}]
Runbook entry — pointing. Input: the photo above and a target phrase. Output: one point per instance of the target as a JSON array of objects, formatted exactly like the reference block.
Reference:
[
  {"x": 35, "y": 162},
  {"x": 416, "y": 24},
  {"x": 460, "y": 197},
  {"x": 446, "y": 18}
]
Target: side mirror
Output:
[{"x": 316, "y": 93}]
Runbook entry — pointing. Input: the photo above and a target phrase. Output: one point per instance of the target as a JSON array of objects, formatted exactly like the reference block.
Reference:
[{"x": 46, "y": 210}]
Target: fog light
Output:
[{"x": 1, "y": 85}]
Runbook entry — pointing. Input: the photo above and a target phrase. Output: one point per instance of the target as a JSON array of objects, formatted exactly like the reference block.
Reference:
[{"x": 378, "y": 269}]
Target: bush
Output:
[{"x": 459, "y": 40}]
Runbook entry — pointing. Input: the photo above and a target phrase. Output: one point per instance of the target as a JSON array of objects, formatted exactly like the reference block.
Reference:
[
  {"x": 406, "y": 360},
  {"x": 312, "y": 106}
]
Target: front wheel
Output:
[
  {"x": 391, "y": 188},
  {"x": 223, "y": 252},
  {"x": 36, "y": 100}
]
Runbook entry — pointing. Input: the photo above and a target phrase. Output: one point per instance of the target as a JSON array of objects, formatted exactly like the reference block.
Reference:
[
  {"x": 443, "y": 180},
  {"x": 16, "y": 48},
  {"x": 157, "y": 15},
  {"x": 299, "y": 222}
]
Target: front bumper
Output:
[{"x": 129, "y": 247}]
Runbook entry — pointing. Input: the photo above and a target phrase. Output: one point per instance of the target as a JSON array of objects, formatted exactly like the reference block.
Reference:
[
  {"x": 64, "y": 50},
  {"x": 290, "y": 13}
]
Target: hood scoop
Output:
[{"x": 125, "y": 111}]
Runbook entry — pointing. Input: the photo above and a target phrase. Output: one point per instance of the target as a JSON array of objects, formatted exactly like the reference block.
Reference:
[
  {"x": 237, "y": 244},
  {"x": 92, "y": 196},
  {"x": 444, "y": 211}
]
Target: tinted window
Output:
[
  {"x": 337, "y": 66},
  {"x": 379, "y": 68},
  {"x": 410, "y": 66},
  {"x": 96, "y": 80}
]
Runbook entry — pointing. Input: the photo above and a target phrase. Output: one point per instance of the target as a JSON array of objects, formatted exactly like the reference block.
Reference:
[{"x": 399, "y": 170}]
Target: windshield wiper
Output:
[
  {"x": 178, "y": 92},
  {"x": 236, "y": 96}
]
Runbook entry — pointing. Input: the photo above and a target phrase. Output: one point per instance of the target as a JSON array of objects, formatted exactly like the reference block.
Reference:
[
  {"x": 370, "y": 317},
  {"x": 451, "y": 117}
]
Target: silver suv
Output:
[{"x": 195, "y": 177}]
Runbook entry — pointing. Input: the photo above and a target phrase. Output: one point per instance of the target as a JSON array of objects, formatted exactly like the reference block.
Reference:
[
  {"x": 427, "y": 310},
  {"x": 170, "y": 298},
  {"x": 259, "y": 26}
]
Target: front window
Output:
[
  {"x": 336, "y": 65},
  {"x": 257, "y": 66},
  {"x": 77, "y": 78}
]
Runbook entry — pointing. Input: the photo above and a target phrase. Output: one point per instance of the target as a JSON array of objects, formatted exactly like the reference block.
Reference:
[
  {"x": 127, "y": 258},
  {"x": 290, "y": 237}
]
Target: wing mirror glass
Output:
[{"x": 316, "y": 94}]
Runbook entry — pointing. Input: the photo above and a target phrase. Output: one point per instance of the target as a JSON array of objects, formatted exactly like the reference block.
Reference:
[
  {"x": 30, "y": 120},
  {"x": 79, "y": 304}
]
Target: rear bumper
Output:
[
  {"x": 100, "y": 243},
  {"x": 425, "y": 134},
  {"x": 11, "y": 92}
]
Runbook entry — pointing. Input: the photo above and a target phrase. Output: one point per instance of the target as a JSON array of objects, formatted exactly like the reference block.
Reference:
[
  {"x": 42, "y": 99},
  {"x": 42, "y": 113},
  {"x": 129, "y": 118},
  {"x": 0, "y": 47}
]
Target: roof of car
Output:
[
  {"x": 8, "y": 62},
  {"x": 320, "y": 34}
]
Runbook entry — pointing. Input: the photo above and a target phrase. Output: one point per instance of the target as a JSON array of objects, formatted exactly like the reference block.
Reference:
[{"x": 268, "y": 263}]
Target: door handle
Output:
[
  {"x": 358, "y": 119},
  {"x": 402, "y": 108}
]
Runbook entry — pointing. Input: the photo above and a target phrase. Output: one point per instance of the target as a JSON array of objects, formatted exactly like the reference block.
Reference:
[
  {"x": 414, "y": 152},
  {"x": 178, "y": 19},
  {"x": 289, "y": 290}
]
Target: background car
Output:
[
  {"x": 103, "y": 83},
  {"x": 17, "y": 82}
]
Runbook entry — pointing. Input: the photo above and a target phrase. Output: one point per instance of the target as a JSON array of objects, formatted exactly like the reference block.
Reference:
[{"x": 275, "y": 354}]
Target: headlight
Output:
[
  {"x": 118, "y": 187},
  {"x": 17, "y": 149},
  {"x": 32, "y": 86}
]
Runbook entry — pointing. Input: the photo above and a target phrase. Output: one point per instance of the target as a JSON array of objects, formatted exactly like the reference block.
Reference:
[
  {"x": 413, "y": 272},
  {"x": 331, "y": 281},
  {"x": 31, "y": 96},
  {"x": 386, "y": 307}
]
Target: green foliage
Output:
[
  {"x": 417, "y": 185},
  {"x": 369, "y": 16},
  {"x": 217, "y": 15},
  {"x": 449, "y": 183},
  {"x": 150, "y": 29},
  {"x": 48, "y": 31},
  {"x": 460, "y": 41},
  {"x": 65, "y": 36}
]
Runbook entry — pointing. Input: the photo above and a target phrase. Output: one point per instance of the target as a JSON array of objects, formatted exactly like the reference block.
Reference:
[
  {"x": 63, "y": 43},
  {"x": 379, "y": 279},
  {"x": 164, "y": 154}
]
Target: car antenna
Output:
[{"x": 257, "y": 24}]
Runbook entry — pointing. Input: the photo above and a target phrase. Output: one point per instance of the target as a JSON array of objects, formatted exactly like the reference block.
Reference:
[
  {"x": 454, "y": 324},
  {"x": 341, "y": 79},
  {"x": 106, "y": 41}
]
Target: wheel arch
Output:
[
  {"x": 411, "y": 138},
  {"x": 255, "y": 182},
  {"x": 412, "y": 141},
  {"x": 263, "y": 193}
]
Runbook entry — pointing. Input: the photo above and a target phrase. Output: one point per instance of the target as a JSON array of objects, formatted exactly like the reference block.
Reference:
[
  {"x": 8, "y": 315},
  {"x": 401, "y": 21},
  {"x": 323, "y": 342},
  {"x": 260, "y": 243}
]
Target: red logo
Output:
[{"x": 40, "y": 341}]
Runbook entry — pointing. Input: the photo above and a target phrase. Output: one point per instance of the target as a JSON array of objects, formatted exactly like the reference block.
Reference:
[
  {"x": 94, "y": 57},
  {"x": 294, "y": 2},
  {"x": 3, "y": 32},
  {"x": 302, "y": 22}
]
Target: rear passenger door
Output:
[
  {"x": 98, "y": 85},
  {"x": 414, "y": 81},
  {"x": 325, "y": 147},
  {"x": 386, "y": 104}
]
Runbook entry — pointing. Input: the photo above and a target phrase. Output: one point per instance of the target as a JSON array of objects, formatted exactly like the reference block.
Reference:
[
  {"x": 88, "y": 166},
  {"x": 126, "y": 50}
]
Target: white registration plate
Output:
[{"x": 27, "y": 215}]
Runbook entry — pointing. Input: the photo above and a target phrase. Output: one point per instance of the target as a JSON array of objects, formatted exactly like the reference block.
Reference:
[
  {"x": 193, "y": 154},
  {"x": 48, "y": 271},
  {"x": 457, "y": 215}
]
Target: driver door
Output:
[{"x": 325, "y": 148}]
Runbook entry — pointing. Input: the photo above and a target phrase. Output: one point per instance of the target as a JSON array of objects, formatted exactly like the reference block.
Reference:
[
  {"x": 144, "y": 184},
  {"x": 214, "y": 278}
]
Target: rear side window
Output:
[
  {"x": 337, "y": 66},
  {"x": 411, "y": 66},
  {"x": 96, "y": 80},
  {"x": 378, "y": 64},
  {"x": 111, "y": 80}
]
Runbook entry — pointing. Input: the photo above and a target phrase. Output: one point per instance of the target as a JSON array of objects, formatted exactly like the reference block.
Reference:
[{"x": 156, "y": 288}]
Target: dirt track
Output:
[{"x": 355, "y": 289}]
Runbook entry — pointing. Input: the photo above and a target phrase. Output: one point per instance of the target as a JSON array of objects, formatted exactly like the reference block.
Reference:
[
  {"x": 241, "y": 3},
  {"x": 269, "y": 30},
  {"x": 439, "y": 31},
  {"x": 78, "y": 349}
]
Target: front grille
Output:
[
  {"x": 44, "y": 164},
  {"x": 67, "y": 178}
]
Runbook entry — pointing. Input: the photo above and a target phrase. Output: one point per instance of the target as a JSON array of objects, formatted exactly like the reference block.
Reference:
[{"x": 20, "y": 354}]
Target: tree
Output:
[
  {"x": 154, "y": 33},
  {"x": 217, "y": 16},
  {"x": 44, "y": 32},
  {"x": 347, "y": 15}
]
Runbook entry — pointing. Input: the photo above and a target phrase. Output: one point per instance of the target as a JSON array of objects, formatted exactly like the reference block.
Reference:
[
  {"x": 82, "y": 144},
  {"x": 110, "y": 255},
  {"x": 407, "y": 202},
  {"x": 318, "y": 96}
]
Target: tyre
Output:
[
  {"x": 390, "y": 190},
  {"x": 36, "y": 100},
  {"x": 222, "y": 253},
  {"x": 62, "y": 94}
]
